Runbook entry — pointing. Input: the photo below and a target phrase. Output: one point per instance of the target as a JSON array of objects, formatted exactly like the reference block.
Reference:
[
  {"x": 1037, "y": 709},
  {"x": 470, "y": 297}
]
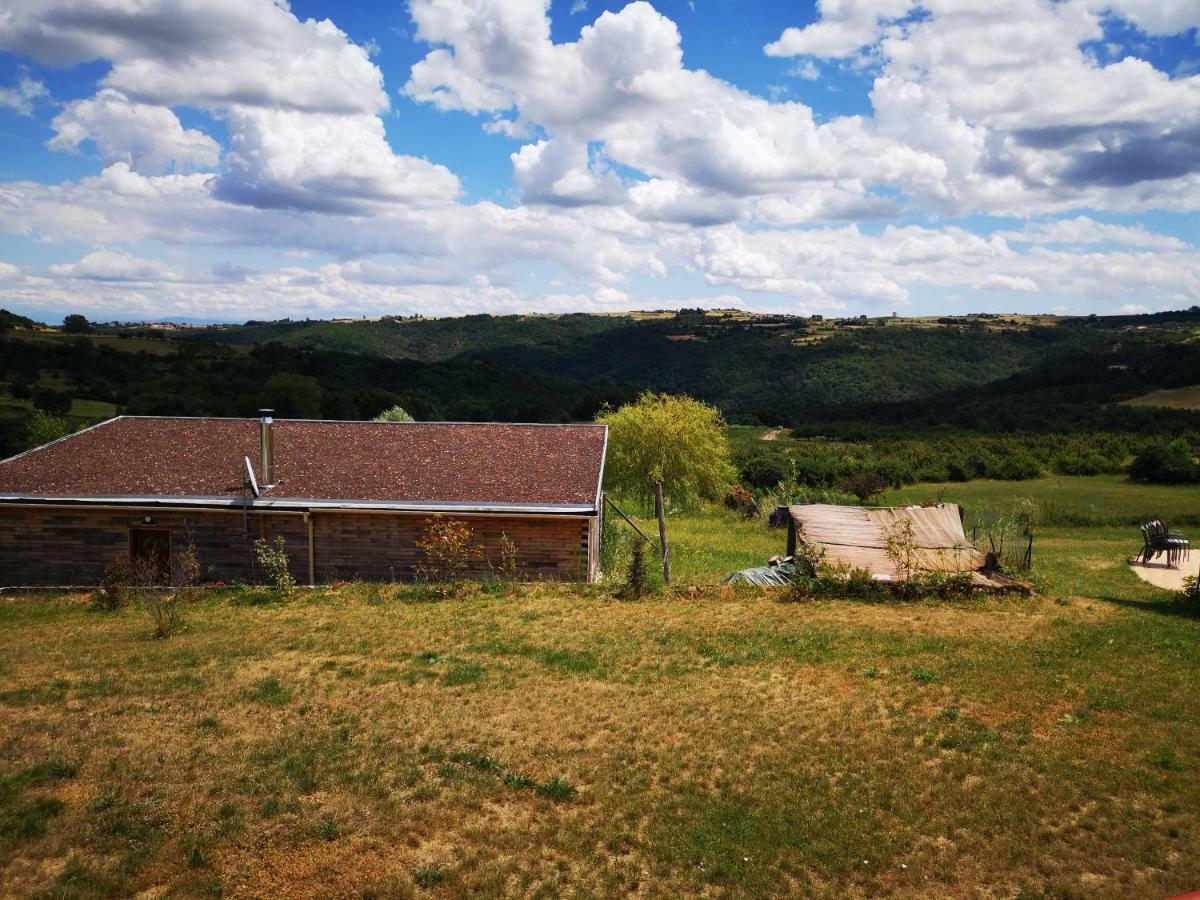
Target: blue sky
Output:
[{"x": 233, "y": 159}]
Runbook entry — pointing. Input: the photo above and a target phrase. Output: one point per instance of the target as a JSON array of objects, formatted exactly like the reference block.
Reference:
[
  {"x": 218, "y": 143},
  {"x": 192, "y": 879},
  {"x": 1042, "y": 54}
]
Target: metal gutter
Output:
[{"x": 301, "y": 504}]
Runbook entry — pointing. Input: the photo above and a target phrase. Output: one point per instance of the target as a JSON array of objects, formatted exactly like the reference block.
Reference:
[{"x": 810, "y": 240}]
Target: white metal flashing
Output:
[{"x": 303, "y": 504}]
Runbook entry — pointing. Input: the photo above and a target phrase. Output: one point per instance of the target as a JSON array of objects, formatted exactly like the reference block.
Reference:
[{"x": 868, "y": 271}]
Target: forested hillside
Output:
[{"x": 984, "y": 373}]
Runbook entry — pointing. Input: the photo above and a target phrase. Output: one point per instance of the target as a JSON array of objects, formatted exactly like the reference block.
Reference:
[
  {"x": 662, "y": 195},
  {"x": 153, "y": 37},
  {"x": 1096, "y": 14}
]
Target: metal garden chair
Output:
[{"x": 1159, "y": 540}]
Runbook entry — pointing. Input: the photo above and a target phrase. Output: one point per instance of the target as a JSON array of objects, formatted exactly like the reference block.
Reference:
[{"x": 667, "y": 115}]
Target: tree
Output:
[
  {"x": 293, "y": 396},
  {"x": 41, "y": 428},
  {"x": 673, "y": 439},
  {"x": 394, "y": 414},
  {"x": 864, "y": 485},
  {"x": 56, "y": 403},
  {"x": 1172, "y": 463},
  {"x": 77, "y": 324},
  {"x": 763, "y": 472}
]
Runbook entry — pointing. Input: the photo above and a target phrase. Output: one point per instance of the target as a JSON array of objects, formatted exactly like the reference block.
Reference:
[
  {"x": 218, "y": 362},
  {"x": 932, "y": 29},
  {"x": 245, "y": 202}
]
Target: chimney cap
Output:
[{"x": 266, "y": 413}]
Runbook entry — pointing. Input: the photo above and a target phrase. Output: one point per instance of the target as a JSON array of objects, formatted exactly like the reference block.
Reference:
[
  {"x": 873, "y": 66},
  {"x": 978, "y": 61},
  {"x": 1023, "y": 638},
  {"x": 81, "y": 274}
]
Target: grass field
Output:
[
  {"x": 357, "y": 742},
  {"x": 112, "y": 341},
  {"x": 82, "y": 410},
  {"x": 1175, "y": 398},
  {"x": 1067, "y": 500}
]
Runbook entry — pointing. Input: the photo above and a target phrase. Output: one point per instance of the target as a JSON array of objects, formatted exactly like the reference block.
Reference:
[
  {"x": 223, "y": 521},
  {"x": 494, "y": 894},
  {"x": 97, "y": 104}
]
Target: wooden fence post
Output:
[{"x": 662, "y": 531}]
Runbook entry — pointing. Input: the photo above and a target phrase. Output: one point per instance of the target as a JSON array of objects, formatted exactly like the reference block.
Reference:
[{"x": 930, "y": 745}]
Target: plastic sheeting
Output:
[{"x": 766, "y": 576}]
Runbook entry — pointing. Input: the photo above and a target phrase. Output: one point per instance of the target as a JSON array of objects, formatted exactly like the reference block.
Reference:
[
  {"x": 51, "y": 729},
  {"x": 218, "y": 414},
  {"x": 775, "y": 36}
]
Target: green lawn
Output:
[
  {"x": 363, "y": 741},
  {"x": 1067, "y": 500}
]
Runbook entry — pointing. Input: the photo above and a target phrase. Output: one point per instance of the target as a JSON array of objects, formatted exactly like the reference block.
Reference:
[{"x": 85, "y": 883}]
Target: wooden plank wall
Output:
[
  {"x": 382, "y": 547},
  {"x": 63, "y": 546},
  {"x": 72, "y": 546}
]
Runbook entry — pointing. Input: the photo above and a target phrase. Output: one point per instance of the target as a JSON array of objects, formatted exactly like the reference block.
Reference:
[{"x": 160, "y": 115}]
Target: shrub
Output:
[
  {"x": 116, "y": 587},
  {"x": 1015, "y": 467},
  {"x": 1191, "y": 590},
  {"x": 395, "y": 414},
  {"x": 763, "y": 472},
  {"x": 740, "y": 500},
  {"x": 961, "y": 470},
  {"x": 1171, "y": 463},
  {"x": 52, "y": 402},
  {"x": 42, "y": 428},
  {"x": 637, "y": 576},
  {"x": 163, "y": 590},
  {"x": 856, "y": 584},
  {"x": 1090, "y": 463},
  {"x": 447, "y": 550},
  {"x": 272, "y": 559},
  {"x": 504, "y": 575},
  {"x": 815, "y": 471}
]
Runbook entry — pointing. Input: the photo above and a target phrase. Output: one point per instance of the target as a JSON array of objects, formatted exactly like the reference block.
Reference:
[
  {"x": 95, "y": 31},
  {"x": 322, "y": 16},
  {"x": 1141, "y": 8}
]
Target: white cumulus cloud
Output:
[{"x": 148, "y": 138}]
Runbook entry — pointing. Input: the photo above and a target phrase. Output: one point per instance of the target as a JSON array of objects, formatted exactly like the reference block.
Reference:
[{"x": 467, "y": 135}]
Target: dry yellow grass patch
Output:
[{"x": 356, "y": 743}]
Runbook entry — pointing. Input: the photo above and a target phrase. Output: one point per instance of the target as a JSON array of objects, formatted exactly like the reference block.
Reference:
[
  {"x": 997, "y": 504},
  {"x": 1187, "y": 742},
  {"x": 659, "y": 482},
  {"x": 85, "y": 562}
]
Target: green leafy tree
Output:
[
  {"x": 673, "y": 439},
  {"x": 764, "y": 472},
  {"x": 1171, "y": 463},
  {"x": 42, "y": 428},
  {"x": 293, "y": 396},
  {"x": 77, "y": 324},
  {"x": 56, "y": 403},
  {"x": 395, "y": 414}
]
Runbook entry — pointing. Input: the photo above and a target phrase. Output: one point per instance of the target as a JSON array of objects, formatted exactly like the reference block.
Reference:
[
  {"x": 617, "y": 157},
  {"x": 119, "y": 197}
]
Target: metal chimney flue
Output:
[{"x": 266, "y": 431}]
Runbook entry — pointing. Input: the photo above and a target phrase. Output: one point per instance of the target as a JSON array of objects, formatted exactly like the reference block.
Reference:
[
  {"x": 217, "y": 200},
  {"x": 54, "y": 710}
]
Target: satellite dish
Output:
[{"x": 250, "y": 475}]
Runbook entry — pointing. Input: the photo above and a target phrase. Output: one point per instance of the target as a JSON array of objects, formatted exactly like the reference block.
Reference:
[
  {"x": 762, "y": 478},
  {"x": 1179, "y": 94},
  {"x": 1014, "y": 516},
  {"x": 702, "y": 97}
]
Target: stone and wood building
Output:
[{"x": 350, "y": 499}]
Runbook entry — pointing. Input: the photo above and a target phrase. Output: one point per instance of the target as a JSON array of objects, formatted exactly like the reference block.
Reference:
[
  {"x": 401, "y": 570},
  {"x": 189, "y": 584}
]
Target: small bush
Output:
[
  {"x": 740, "y": 500},
  {"x": 504, "y": 575},
  {"x": 858, "y": 584},
  {"x": 395, "y": 414},
  {"x": 272, "y": 560},
  {"x": 116, "y": 587},
  {"x": 448, "y": 551},
  {"x": 637, "y": 575},
  {"x": 1088, "y": 463},
  {"x": 164, "y": 590},
  {"x": 1191, "y": 590},
  {"x": 1015, "y": 467}
]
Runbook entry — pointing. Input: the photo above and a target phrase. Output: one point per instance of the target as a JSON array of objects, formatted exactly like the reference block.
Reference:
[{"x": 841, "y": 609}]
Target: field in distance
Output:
[{"x": 1172, "y": 398}]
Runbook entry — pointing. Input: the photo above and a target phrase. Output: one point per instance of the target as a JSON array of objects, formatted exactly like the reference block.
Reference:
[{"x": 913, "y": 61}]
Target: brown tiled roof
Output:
[{"x": 382, "y": 462}]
